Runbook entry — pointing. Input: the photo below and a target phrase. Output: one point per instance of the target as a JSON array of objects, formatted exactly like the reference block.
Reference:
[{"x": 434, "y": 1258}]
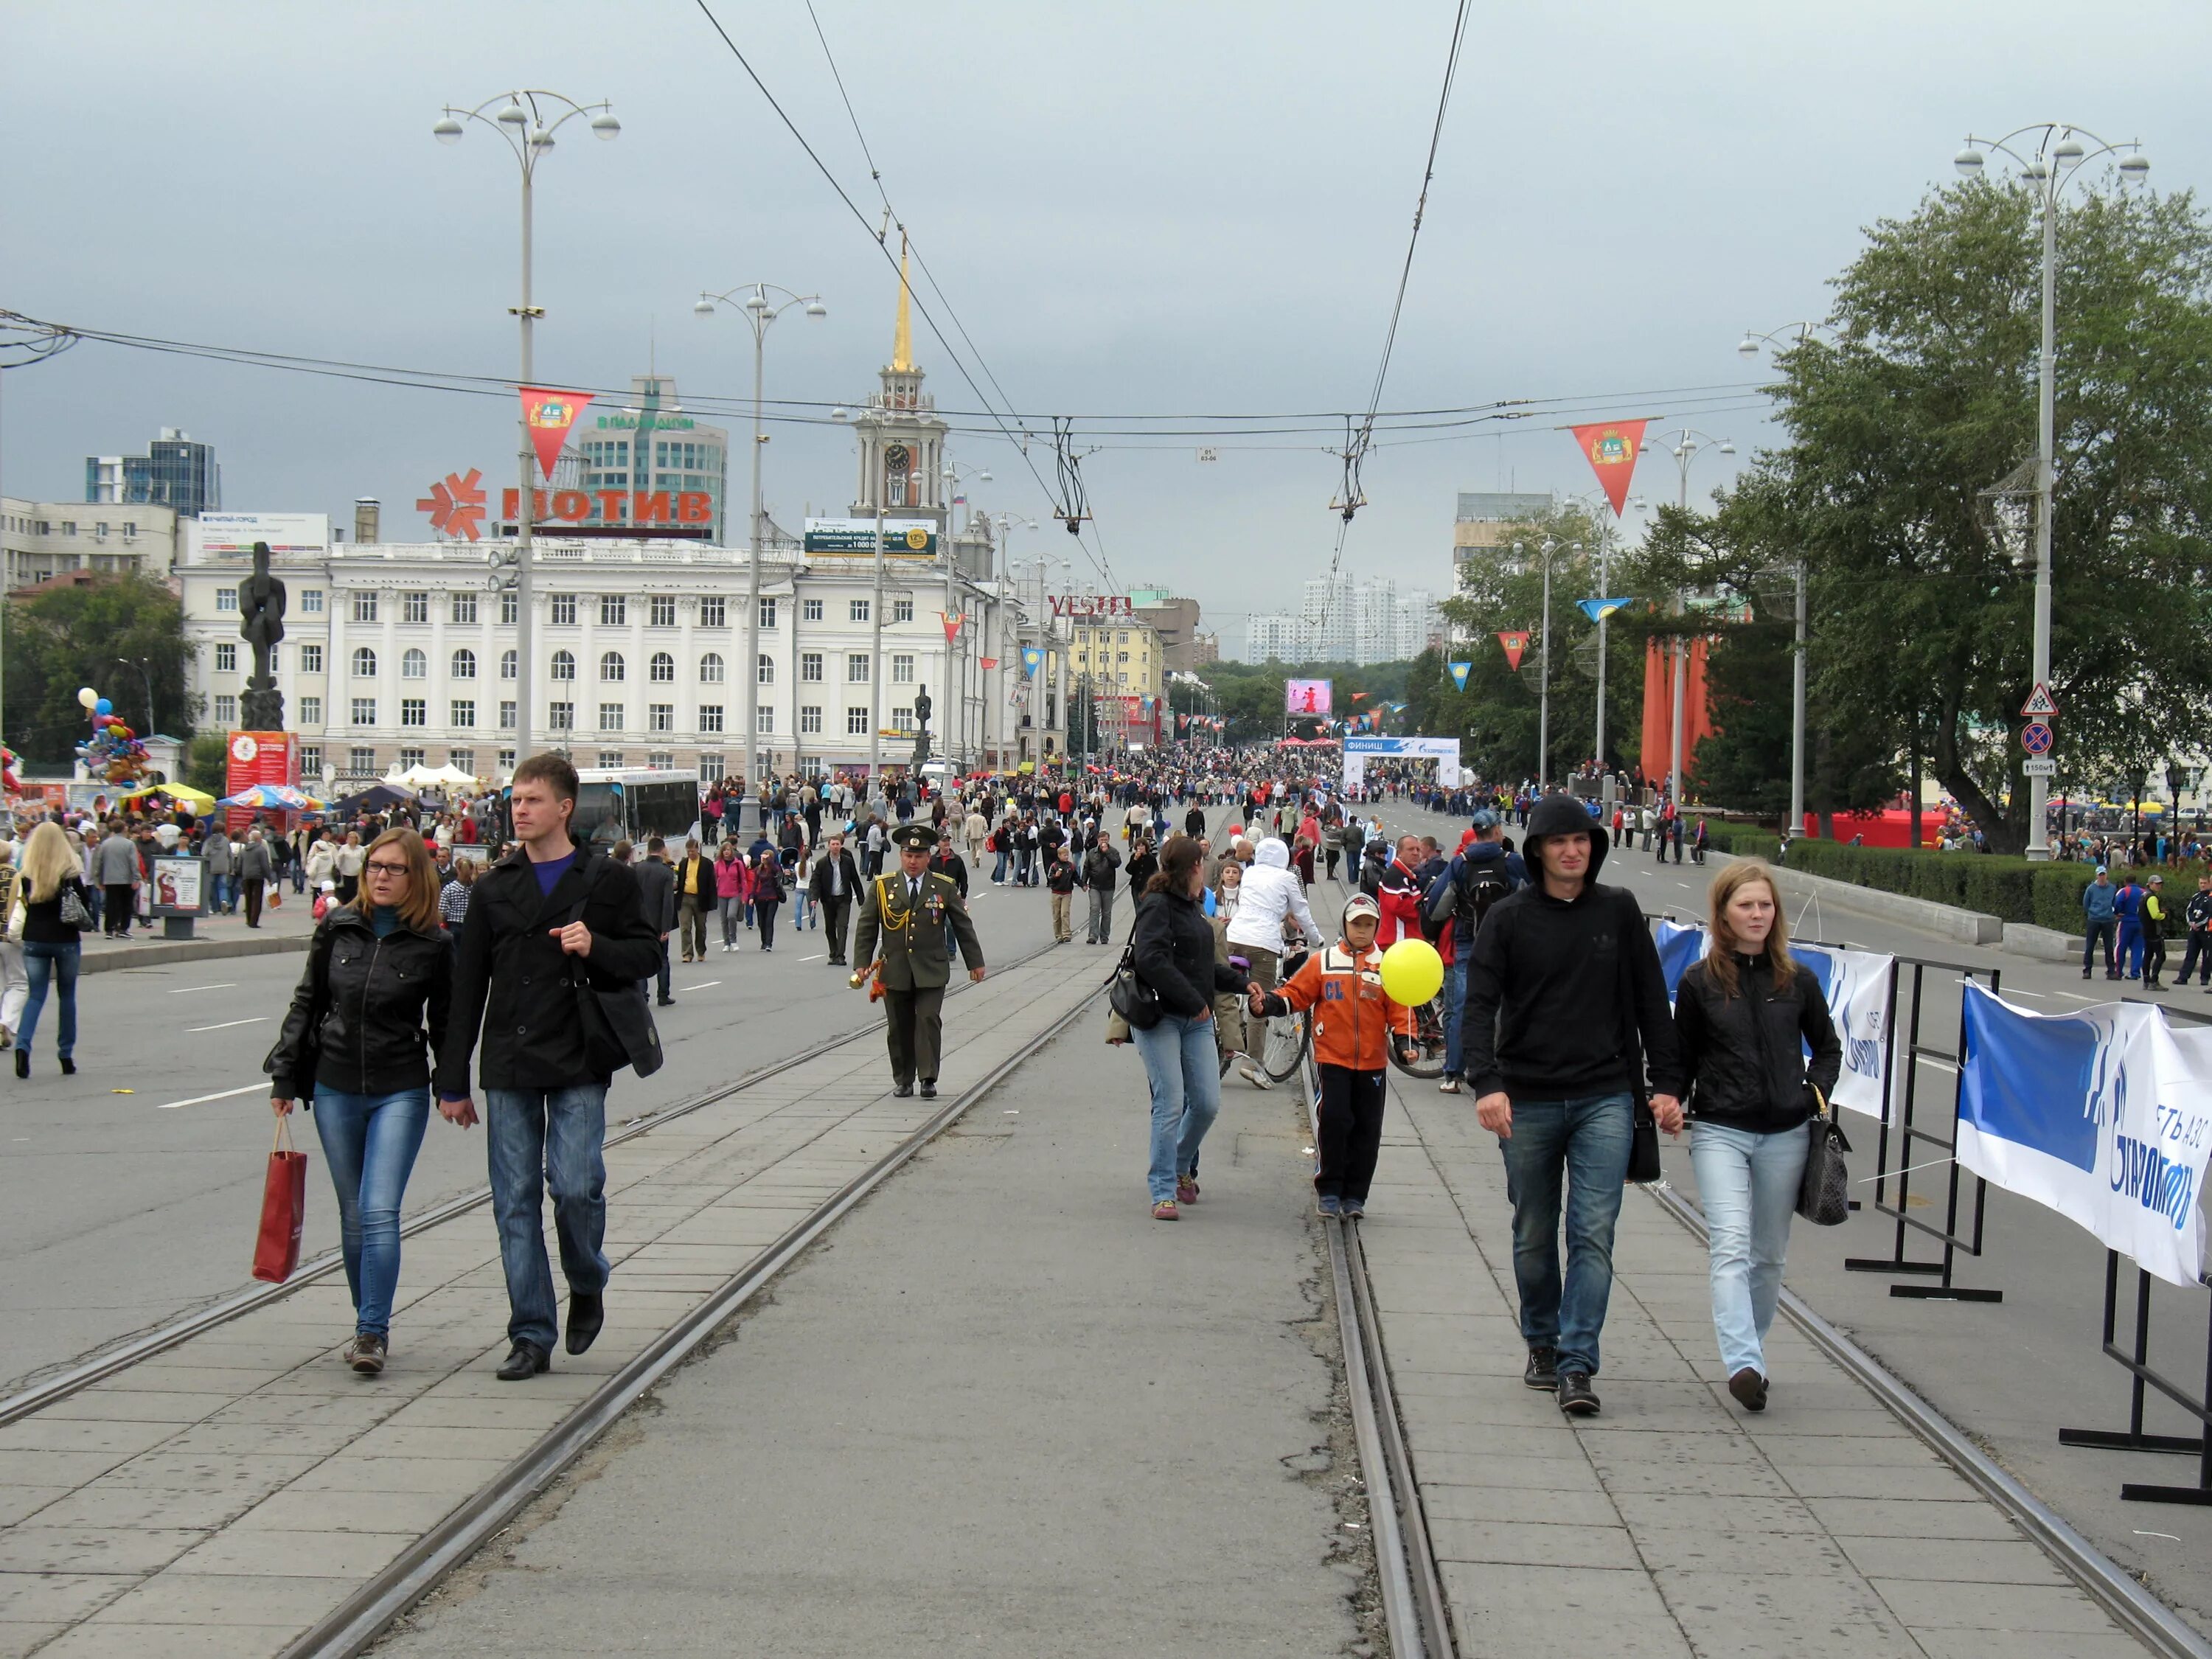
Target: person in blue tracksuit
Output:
[{"x": 2127, "y": 906}]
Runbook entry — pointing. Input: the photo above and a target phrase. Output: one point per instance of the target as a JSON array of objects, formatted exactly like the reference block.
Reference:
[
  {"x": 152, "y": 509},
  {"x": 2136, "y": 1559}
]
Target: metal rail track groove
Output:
[
  {"x": 2142, "y": 1614},
  {"x": 83, "y": 1374},
  {"x": 356, "y": 1622}
]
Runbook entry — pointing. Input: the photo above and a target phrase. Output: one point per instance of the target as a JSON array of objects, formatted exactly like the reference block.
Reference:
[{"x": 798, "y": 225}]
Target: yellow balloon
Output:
[{"x": 1413, "y": 972}]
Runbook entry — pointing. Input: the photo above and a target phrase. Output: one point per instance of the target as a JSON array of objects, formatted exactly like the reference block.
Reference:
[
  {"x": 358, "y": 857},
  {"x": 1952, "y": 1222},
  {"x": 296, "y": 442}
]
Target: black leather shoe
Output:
[
  {"x": 585, "y": 1315},
  {"x": 524, "y": 1359},
  {"x": 667, "y": 1002},
  {"x": 1543, "y": 1372},
  {"x": 1576, "y": 1397},
  {"x": 1749, "y": 1388},
  {"x": 22, "y": 1062},
  {"x": 900, "y": 1091},
  {"x": 929, "y": 1088}
]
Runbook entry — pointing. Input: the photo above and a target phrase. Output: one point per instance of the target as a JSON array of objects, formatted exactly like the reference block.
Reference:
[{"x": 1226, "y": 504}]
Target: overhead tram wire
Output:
[{"x": 882, "y": 247}]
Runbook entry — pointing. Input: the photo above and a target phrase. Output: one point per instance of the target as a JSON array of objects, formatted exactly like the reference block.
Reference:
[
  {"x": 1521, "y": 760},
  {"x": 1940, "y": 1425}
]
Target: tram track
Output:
[{"x": 100, "y": 1366}]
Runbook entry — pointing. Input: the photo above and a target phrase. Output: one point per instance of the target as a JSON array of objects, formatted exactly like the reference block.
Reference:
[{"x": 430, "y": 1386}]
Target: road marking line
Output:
[
  {"x": 201, "y": 1100},
  {"x": 703, "y": 985},
  {"x": 186, "y": 990},
  {"x": 226, "y": 1026},
  {"x": 814, "y": 958}
]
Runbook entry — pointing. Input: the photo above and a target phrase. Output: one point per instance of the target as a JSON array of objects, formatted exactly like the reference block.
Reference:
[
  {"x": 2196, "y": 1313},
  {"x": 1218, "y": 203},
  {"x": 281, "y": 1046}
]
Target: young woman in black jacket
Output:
[
  {"x": 1744, "y": 1017},
  {"x": 369, "y": 1011},
  {"x": 1173, "y": 952}
]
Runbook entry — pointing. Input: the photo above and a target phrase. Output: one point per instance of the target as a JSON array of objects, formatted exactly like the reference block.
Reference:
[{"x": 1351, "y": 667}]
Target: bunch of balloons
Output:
[{"x": 113, "y": 753}]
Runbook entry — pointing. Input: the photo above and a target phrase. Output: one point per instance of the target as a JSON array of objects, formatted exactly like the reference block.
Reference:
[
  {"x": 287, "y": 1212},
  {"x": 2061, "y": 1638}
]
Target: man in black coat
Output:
[
  {"x": 836, "y": 878},
  {"x": 552, "y": 928},
  {"x": 656, "y": 893}
]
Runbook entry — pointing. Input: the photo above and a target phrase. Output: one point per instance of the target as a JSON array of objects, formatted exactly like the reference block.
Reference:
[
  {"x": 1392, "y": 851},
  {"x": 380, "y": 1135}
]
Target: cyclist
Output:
[{"x": 1270, "y": 905}]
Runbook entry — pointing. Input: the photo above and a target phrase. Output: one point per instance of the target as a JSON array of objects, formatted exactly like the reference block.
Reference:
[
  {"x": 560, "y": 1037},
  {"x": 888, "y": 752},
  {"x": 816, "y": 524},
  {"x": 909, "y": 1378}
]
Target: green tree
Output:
[
  {"x": 68, "y": 637},
  {"x": 207, "y": 763},
  {"x": 1927, "y": 397}
]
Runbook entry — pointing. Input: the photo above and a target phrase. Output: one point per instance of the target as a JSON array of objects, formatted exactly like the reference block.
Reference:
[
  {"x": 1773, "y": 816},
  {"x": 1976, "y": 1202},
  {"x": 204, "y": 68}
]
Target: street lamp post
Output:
[
  {"x": 760, "y": 310},
  {"x": 1688, "y": 445},
  {"x": 2058, "y": 155},
  {"x": 528, "y": 121},
  {"x": 955, "y": 707}
]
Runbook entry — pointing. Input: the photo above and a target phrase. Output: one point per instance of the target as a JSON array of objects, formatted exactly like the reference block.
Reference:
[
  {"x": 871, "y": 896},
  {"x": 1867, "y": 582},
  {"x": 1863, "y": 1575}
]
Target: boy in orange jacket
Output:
[{"x": 1352, "y": 1023}]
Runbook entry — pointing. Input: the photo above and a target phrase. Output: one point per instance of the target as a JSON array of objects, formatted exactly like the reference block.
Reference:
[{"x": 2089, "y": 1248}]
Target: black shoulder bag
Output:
[
  {"x": 1136, "y": 1001},
  {"x": 1643, "y": 1166},
  {"x": 618, "y": 1025}
]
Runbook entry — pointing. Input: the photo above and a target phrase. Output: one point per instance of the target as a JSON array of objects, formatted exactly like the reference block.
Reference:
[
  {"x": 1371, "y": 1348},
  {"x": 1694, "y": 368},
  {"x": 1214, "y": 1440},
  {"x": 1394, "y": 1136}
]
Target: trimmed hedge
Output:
[{"x": 2010, "y": 888}]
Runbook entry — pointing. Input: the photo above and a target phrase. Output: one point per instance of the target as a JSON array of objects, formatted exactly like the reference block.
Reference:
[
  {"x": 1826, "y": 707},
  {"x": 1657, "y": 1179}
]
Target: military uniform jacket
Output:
[{"x": 911, "y": 938}]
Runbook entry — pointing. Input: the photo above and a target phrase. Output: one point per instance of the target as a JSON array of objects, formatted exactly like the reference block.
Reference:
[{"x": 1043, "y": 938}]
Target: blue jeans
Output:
[
  {"x": 370, "y": 1141},
  {"x": 221, "y": 887},
  {"x": 1748, "y": 1183},
  {"x": 1455, "y": 999},
  {"x": 2099, "y": 930},
  {"x": 1184, "y": 1072},
  {"x": 999, "y": 873},
  {"x": 538, "y": 1138},
  {"x": 43, "y": 964},
  {"x": 1582, "y": 1144}
]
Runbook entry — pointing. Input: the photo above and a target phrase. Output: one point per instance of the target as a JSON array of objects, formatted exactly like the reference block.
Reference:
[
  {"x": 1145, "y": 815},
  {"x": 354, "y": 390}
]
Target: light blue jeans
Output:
[
  {"x": 1748, "y": 1183},
  {"x": 370, "y": 1141},
  {"x": 1571, "y": 1157},
  {"x": 1184, "y": 1072},
  {"x": 536, "y": 1138},
  {"x": 1455, "y": 1000}
]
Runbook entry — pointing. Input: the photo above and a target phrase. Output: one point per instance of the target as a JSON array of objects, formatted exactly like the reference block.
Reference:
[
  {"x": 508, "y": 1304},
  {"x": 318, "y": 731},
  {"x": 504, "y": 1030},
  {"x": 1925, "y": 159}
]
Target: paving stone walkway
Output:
[
  {"x": 1674, "y": 1523},
  {"x": 225, "y": 1494}
]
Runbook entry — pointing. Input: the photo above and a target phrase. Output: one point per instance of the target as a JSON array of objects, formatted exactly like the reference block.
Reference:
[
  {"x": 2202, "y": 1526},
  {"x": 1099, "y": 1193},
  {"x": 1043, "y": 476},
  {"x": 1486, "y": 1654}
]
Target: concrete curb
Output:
[
  {"x": 2043, "y": 943},
  {"x": 1967, "y": 927},
  {"x": 160, "y": 953}
]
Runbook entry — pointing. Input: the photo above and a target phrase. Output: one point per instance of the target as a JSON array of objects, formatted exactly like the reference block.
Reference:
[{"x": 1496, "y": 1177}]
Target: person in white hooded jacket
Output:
[{"x": 1271, "y": 896}]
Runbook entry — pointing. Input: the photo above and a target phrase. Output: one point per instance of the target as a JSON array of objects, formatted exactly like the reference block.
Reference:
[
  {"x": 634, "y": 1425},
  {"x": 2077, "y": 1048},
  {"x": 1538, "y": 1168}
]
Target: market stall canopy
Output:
[
  {"x": 432, "y": 777},
  {"x": 375, "y": 799},
  {"x": 275, "y": 798},
  {"x": 198, "y": 800}
]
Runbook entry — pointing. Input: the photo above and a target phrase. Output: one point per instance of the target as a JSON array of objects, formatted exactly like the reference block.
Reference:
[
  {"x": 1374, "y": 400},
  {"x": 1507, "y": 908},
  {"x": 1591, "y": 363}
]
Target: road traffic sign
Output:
[
  {"x": 2039, "y": 768},
  {"x": 2035, "y": 737},
  {"x": 2040, "y": 703}
]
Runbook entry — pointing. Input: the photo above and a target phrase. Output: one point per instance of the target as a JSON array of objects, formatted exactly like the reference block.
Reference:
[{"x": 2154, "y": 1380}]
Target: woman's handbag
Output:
[
  {"x": 1643, "y": 1167},
  {"x": 1824, "y": 1196},
  {"x": 73, "y": 911},
  {"x": 284, "y": 1209},
  {"x": 1137, "y": 1003}
]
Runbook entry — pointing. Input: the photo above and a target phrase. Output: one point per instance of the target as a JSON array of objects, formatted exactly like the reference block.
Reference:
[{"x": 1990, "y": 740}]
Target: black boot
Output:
[{"x": 22, "y": 1062}]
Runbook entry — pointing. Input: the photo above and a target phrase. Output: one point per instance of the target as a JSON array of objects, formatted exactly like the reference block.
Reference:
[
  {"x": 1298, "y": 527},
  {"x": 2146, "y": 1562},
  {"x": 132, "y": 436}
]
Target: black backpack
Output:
[{"x": 1468, "y": 897}]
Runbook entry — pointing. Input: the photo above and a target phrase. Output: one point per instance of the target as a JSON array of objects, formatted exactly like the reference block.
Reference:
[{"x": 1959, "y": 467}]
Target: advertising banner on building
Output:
[
  {"x": 903, "y": 538},
  {"x": 2104, "y": 1115},
  {"x": 1307, "y": 696},
  {"x": 1856, "y": 986},
  {"x": 549, "y": 414},
  {"x": 1611, "y": 448},
  {"x": 232, "y": 535}
]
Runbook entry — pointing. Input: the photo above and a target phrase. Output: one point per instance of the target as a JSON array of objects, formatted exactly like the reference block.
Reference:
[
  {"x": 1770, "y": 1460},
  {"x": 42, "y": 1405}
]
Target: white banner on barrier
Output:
[
  {"x": 2104, "y": 1115},
  {"x": 1857, "y": 986}
]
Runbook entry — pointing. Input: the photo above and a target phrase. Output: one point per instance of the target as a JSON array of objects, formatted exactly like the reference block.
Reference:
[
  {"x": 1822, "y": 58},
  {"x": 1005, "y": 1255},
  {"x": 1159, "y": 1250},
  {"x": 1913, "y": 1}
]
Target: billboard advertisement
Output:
[
  {"x": 259, "y": 757},
  {"x": 232, "y": 535},
  {"x": 903, "y": 538},
  {"x": 1306, "y": 696}
]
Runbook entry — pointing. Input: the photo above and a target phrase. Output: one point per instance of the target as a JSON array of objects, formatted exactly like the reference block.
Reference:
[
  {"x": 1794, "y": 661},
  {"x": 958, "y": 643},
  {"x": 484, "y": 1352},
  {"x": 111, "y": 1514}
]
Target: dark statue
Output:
[
  {"x": 921, "y": 707},
  {"x": 261, "y": 624}
]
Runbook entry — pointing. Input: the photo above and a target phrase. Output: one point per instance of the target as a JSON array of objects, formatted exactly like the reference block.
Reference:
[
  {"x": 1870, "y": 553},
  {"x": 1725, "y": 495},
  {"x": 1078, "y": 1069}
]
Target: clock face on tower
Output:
[{"x": 896, "y": 462}]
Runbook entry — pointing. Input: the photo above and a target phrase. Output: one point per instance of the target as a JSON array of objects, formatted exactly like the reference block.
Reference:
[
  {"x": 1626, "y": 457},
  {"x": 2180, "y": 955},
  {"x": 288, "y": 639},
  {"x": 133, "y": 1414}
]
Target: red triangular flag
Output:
[
  {"x": 951, "y": 626},
  {"x": 1516, "y": 640},
  {"x": 1611, "y": 447},
  {"x": 549, "y": 415}
]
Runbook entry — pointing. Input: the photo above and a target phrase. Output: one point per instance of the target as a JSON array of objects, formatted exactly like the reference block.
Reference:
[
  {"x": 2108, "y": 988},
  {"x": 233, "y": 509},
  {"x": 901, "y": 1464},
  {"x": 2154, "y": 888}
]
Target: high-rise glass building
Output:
[
  {"x": 173, "y": 472},
  {"x": 653, "y": 444}
]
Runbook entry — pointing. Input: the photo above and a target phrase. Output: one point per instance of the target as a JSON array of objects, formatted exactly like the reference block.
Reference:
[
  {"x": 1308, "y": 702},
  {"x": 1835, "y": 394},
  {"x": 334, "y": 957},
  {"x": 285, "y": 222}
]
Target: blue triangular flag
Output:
[
  {"x": 1459, "y": 672},
  {"x": 1599, "y": 610}
]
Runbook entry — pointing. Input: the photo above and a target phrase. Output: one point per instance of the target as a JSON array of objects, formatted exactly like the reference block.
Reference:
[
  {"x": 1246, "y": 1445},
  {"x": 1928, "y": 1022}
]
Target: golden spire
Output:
[{"x": 903, "y": 342}]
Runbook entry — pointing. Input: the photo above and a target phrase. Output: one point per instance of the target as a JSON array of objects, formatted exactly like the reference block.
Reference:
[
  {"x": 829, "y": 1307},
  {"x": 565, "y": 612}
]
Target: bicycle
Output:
[
  {"x": 1420, "y": 1052},
  {"x": 1289, "y": 1037}
]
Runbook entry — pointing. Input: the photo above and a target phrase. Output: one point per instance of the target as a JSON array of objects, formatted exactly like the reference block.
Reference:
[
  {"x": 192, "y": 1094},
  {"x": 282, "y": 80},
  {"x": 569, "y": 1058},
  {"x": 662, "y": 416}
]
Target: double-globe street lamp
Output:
[
  {"x": 760, "y": 311},
  {"x": 954, "y": 731},
  {"x": 2059, "y": 154},
  {"x": 1687, "y": 444},
  {"x": 1003, "y": 598},
  {"x": 1548, "y": 547},
  {"x": 527, "y": 120}
]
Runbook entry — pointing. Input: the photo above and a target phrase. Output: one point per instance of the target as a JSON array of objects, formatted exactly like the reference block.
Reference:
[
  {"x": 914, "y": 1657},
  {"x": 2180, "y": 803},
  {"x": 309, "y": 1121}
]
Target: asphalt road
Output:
[
  {"x": 129, "y": 1194},
  {"x": 2010, "y": 1374}
]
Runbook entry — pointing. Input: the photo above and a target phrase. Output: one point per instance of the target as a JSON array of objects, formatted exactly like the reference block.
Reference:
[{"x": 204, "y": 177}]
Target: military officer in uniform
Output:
[{"x": 904, "y": 914}]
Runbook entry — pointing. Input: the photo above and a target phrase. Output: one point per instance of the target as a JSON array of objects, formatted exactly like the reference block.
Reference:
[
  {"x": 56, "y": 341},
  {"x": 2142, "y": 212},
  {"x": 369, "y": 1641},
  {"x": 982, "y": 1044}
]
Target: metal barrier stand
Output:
[
  {"x": 2142, "y": 1376},
  {"x": 1908, "y": 1135}
]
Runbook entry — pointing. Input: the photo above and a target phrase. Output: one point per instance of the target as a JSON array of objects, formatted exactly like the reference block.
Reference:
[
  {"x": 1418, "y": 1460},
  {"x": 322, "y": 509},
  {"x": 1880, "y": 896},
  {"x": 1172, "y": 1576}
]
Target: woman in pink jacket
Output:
[{"x": 733, "y": 886}]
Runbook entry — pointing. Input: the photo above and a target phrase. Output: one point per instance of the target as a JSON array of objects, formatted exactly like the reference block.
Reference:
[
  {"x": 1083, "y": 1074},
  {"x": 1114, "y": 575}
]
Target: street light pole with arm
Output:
[
  {"x": 2058, "y": 155},
  {"x": 955, "y": 707},
  {"x": 1688, "y": 445},
  {"x": 527, "y": 121},
  {"x": 760, "y": 311}
]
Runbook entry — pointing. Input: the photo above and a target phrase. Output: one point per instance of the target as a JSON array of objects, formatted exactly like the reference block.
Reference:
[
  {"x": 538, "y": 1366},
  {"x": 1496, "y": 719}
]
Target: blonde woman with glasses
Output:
[{"x": 369, "y": 1011}]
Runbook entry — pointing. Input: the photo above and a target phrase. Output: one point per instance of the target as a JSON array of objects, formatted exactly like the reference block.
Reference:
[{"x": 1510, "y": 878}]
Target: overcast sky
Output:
[{"x": 1188, "y": 206}]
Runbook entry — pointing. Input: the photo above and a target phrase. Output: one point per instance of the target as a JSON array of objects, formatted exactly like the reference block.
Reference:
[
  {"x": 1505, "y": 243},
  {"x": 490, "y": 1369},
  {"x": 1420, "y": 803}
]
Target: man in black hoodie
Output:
[{"x": 1565, "y": 1002}]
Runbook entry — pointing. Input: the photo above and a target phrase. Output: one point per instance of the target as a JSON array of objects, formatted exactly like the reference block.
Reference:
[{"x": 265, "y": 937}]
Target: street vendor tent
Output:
[
  {"x": 198, "y": 799},
  {"x": 273, "y": 797},
  {"x": 375, "y": 799},
  {"x": 432, "y": 777}
]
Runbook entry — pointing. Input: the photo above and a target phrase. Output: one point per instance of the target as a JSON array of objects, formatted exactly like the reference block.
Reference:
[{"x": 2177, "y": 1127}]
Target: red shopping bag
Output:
[{"x": 284, "y": 1209}]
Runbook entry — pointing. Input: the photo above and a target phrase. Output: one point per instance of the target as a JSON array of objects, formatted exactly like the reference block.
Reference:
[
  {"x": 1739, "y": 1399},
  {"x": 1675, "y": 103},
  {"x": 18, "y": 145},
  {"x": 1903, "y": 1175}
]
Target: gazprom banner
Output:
[
  {"x": 1855, "y": 984},
  {"x": 1358, "y": 752},
  {"x": 2104, "y": 1115}
]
